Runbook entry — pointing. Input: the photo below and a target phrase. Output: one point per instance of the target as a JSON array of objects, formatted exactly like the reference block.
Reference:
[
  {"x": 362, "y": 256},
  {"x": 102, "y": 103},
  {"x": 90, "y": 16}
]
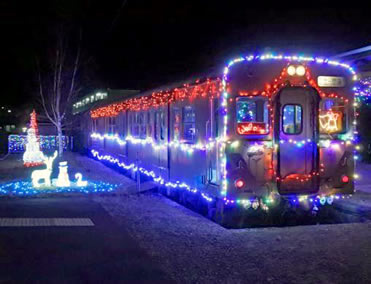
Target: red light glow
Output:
[
  {"x": 244, "y": 128},
  {"x": 239, "y": 183},
  {"x": 345, "y": 179}
]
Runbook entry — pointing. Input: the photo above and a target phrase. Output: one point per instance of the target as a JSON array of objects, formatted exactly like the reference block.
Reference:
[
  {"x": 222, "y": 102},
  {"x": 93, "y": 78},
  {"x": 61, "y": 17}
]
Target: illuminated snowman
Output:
[{"x": 63, "y": 178}]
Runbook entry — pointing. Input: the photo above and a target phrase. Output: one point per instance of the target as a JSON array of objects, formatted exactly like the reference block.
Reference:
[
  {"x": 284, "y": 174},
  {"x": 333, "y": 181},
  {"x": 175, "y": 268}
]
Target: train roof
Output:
[{"x": 203, "y": 77}]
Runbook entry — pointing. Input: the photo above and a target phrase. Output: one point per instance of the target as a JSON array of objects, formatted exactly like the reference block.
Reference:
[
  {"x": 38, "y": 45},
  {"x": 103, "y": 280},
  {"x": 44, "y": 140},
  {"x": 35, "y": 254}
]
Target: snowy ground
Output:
[{"x": 193, "y": 249}]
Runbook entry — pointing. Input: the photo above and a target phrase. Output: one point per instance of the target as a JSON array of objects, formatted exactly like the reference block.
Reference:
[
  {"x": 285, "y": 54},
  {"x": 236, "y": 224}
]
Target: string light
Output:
[
  {"x": 26, "y": 188},
  {"x": 213, "y": 88},
  {"x": 209, "y": 88},
  {"x": 157, "y": 145},
  {"x": 269, "y": 90},
  {"x": 17, "y": 143}
]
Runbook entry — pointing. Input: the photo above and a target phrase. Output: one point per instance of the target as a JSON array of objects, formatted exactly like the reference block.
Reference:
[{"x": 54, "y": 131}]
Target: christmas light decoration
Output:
[
  {"x": 209, "y": 88},
  {"x": 244, "y": 128},
  {"x": 26, "y": 188},
  {"x": 220, "y": 88},
  {"x": 264, "y": 203},
  {"x": 33, "y": 156},
  {"x": 269, "y": 90},
  {"x": 17, "y": 143},
  {"x": 79, "y": 181},
  {"x": 44, "y": 174},
  {"x": 63, "y": 178},
  {"x": 330, "y": 121},
  {"x": 182, "y": 145},
  {"x": 363, "y": 90}
]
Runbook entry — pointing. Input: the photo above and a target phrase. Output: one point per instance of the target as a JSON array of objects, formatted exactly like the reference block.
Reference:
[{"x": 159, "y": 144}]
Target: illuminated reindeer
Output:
[{"x": 45, "y": 173}]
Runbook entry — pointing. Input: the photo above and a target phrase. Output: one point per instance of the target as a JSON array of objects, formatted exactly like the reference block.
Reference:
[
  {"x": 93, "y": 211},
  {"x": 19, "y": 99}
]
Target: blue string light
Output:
[{"x": 25, "y": 188}]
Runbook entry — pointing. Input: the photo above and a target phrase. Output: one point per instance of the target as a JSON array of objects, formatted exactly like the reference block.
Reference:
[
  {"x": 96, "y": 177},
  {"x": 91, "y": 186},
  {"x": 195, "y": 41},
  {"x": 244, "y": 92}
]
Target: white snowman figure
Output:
[
  {"x": 63, "y": 178},
  {"x": 32, "y": 155}
]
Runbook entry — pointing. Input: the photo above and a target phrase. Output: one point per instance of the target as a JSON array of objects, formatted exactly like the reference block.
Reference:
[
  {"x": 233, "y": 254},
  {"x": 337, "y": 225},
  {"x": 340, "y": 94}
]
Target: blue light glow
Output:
[{"x": 25, "y": 188}]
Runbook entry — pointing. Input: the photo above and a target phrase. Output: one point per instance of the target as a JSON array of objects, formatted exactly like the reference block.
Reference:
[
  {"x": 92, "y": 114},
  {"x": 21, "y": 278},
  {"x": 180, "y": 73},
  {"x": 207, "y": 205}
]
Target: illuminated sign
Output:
[
  {"x": 244, "y": 128},
  {"x": 330, "y": 81},
  {"x": 330, "y": 121}
]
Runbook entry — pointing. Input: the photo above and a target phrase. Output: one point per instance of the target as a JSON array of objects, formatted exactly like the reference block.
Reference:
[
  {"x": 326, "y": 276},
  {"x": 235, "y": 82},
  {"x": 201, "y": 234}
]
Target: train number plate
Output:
[{"x": 330, "y": 81}]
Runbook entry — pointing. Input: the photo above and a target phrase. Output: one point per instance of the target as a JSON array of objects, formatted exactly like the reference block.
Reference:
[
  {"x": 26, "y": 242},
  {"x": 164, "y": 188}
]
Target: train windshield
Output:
[
  {"x": 332, "y": 116},
  {"x": 252, "y": 116}
]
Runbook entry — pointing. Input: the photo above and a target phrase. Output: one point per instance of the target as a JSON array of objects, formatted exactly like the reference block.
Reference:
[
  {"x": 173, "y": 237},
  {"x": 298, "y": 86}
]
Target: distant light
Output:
[{"x": 9, "y": 110}]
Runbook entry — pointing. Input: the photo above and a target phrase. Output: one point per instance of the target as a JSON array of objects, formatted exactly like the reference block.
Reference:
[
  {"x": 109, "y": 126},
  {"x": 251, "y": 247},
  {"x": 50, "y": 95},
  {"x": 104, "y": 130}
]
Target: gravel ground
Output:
[
  {"x": 364, "y": 181},
  {"x": 193, "y": 249}
]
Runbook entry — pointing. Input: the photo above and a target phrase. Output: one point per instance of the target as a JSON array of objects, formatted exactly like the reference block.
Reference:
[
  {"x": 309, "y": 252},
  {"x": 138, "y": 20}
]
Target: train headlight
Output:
[
  {"x": 291, "y": 70},
  {"x": 300, "y": 70}
]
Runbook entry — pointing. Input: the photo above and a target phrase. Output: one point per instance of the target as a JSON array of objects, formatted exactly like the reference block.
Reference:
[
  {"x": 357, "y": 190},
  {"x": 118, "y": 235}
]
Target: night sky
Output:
[{"x": 144, "y": 44}]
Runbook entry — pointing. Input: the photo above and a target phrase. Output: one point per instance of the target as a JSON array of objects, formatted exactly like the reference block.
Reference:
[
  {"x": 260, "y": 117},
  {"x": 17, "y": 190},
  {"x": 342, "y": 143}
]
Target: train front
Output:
[{"x": 289, "y": 129}]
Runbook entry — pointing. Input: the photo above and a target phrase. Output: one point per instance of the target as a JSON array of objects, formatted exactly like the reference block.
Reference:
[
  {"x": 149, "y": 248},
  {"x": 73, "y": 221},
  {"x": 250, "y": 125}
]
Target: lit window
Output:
[
  {"x": 189, "y": 124},
  {"x": 332, "y": 116},
  {"x": 176, "y": 123},
  {"x": 112, "y": 125},
  {"x": 292, "y": 119},
  {"x": 252, "y": 116}
]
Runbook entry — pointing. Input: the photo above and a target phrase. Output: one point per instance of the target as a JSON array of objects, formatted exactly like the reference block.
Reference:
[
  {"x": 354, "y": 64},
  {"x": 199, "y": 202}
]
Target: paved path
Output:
[{"x": 85, "y": 254}]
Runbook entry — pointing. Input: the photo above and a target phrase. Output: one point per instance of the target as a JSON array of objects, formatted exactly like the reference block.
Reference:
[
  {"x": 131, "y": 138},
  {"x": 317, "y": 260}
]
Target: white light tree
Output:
[{"x": 58, "y": 80}]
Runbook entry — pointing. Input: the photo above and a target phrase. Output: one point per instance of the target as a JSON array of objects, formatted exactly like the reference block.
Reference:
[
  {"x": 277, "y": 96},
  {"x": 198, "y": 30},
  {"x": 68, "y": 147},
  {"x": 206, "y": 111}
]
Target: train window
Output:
[
  {"x": 176, "y": 123},
  {"x": 159, "y": 125},
  {"x": 332, "y": 117},
  {"x": 149, "y": 125},
  {"x": 111, "y": 124},
  {"x": 189, "y": 124},
  {"x": 100, "y": 124},
  {"x": 246, "y": 111},
  {"x": 135, "y": 124},
  {"x": 163, "y": 128},
  {"x": 123, "y": 125},
  {"x": 142, "y": 126},
  {"x": 292, "y": 119},
  {"x": 94, "y": 125},
  {"x": 252, "y": 116}
]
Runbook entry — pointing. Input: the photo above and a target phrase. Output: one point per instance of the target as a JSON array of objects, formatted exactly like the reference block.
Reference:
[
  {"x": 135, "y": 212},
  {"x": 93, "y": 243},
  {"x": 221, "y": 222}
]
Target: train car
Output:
[{"x": 271, "y": 132}]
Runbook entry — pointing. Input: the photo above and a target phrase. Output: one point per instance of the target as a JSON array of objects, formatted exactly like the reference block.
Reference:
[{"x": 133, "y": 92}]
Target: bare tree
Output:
[{"x": 58, "y": 81}]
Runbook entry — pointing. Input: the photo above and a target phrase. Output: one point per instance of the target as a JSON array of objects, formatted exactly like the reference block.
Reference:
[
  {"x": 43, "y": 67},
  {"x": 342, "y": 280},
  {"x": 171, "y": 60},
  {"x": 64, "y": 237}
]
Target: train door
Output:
[{"x": 296, "y": 132}]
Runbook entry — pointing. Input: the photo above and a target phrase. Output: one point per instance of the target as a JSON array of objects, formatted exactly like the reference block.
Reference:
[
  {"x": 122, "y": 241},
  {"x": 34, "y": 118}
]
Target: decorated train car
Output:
[{"x": 271, "y": 132}]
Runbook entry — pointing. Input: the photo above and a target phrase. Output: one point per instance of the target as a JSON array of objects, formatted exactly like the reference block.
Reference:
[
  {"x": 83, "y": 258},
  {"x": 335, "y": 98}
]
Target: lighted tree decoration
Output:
[{"x": 33, "y": 156}]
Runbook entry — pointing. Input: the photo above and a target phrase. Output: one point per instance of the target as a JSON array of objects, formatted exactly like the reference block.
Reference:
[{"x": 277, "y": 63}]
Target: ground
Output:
[{"x": 168, "y": 242}]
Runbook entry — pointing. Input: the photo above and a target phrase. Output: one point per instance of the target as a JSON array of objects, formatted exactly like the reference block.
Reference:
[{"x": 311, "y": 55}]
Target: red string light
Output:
[{"x": 209, "y": 88}]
